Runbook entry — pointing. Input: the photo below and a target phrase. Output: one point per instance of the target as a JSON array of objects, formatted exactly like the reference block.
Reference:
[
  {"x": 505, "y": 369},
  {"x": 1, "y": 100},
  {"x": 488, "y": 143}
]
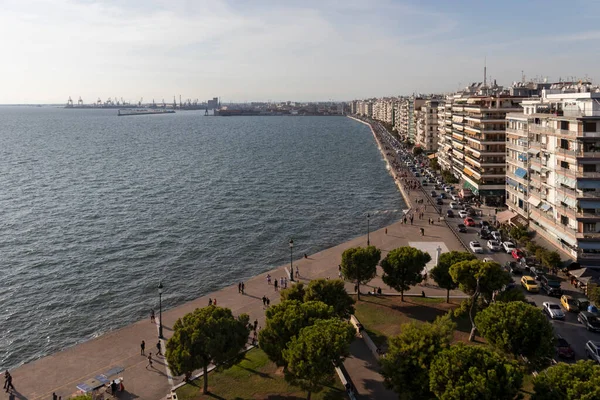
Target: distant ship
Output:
[
  {"x": 136, "y": 111},
  {"x": 226, "y": 112}
]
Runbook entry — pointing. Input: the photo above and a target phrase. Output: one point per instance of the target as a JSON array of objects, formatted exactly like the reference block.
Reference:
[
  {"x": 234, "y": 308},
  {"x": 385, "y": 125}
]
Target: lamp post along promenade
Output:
[
  {"x": 291, "y": 260},
  {"x": 160, "y": 327},
  {"x": 368, "y": 230}
]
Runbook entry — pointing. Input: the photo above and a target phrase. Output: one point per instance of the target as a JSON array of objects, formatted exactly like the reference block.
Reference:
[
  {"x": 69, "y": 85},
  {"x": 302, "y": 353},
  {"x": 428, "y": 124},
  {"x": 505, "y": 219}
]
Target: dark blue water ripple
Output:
[{"x": 95, "y": 209}]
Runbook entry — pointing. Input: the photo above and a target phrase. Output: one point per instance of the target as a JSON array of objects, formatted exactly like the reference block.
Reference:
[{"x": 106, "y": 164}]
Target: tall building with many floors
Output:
[
  {"x": 427, "y": 125},
  {"x": 553, "y": 167}
]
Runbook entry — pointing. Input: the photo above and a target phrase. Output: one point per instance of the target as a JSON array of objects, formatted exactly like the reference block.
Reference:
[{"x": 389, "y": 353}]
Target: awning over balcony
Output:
[
  {"x": 505, "y": 216},
  {"x": 589, "y": 245},
  {"x": 595, "y": 184},
  {"x": 468, "y": 172},
  {"x": 589, "y": 203},
  {"x": 546, "y": 207},
  {"x": 432, "y": 156},
  {"x": 521, "y": 173},
  {"x": 535, "y": 167},
  {"x": 534, "y": 201},
  {"x": 533, "y": 151}
]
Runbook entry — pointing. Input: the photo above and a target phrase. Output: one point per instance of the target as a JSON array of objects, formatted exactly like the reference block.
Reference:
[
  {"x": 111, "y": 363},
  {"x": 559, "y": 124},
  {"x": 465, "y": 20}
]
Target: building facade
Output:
[
  {"x": 427, "y": 125},
  {"x": 553, "y": 168}
]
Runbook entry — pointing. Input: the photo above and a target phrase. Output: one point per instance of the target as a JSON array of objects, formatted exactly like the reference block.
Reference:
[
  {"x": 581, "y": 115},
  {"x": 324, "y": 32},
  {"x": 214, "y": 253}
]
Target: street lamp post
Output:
[
  {"x": 368, "y": 230},
  {"x": 160, "y": 290},
  {"x": 291, "y": 258}
]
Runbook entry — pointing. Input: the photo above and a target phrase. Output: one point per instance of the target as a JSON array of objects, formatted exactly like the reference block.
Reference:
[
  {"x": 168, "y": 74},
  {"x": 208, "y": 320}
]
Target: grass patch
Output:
[
  {"x": 527, "y": 388},
  {"x": 255, "y": 377},
  {"x": 382, "y": 316}
]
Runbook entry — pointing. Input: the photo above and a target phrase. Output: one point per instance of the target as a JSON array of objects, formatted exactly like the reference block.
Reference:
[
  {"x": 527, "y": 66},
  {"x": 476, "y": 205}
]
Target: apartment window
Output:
[
  {"x": 589, "y": 227},
  {"x": 564, "y": 144},
  {"x": 589, "y": 167},
  {"x": 564, "y": 125},
  {"x": 564, "y": 220},
  {"x": 564, "y": 164},
  {"x": 589, "y": 126}
]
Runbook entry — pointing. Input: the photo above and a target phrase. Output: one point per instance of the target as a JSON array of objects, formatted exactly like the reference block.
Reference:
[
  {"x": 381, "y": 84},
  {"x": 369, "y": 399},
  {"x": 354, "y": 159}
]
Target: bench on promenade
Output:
[{"x": 93, "y": 385}]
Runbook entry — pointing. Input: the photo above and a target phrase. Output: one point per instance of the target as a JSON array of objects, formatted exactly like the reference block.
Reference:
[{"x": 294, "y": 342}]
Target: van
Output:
[{"x": 465, "y": 194}]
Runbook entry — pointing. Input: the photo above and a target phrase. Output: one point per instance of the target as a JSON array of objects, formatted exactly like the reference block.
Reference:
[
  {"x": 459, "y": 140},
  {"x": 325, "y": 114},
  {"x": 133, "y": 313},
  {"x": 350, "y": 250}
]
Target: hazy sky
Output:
[{"x": 285, "y": 50}]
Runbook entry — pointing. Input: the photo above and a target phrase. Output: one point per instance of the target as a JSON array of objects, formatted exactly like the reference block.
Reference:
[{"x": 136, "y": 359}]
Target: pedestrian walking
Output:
[
  {"x": 215, "y": 302},
  {"x": 411, "y": 219},
  {"x": 142, "y": 348},
  {"x": 297, "y": 272},
  {"x": 281, "y": 282},
  {"x": 268, "y": 302},
  {"x": 158, "y": 348},
  {"x": 9, "y": 384},
  {"x": 268, "y": 279},
  {"x": 243, "y": 287},
  {"x": 422, "y": 232},
  {"x": 152, "y": 318},
  {"x": 275, "y": 284},
  {"x": 255, "y": 324},
  {"x": 239, "y": 287},
  {"x": 54, "y": 396},
  {"x": 264, "y": 299},
  {"x": 386, "y": 231},
  {"x": 149, "y": 361},
  {"x": 6, "y": 375},
  {"x": 209, "y": 301}
]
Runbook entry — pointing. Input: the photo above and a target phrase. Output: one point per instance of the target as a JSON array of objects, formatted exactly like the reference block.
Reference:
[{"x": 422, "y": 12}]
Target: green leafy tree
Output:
[
  {"x": 417, "y": 150},
  {"x": 540, "y": 253},
  {"x": 464, "y": 372},
  {"x": 312, "y": 356},
  {"x": 518, "y": 232},
  {"x": 295, "y": 292},
  {"x": 441, "y": 272},
  {"x": 532, "y": 247},
  {"x": 206, "y": 335},
  {"x": 410, "y": 354},
  {"x": 551, "y": 259},
  {"x": 514, "y": 294},
  {"x": 519, "y": 329},
  {"x": 333, "y": 293},
  {"x": 403, "y": 267},
  {"x": 477, "y": 278},
  {"x": 285, "y": 320},
  {"x": 434, "y": 164},
  {"x": 579, "y": 381},
  {"x": 359, "y": 264},
  {"x": 594, "y": 294}
]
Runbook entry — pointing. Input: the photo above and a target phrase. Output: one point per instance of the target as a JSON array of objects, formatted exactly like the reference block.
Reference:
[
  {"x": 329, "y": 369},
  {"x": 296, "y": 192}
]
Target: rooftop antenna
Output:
[{"x": 522, "y": 76}]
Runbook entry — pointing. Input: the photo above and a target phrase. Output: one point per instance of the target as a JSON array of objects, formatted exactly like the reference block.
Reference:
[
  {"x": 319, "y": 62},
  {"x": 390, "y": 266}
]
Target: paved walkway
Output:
[
  {"x": 362, "y": 363},
  {"x": 62, "y": 371}
]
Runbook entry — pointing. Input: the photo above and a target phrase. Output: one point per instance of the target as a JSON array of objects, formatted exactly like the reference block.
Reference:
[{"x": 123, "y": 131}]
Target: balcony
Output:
[
  {"x": 564, "y": 210},
  {"x": 518, "y": 132},
  {"x": 583, "y": 174},
  {"x": 588, "y": 235},
  {"x": 565, "y": 152},
  {"x": 546, "y": 130},
  {"x": 515, "y": 146},
  {"x": 567, "y": 190},
  {"x": 590, "y": 194}
]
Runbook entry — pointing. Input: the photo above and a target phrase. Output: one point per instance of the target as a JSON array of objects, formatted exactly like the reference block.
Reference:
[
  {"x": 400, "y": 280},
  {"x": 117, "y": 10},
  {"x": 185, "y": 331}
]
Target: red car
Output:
[
  {"x": 469, "y": 221},
  {"x": 563, "y": 349},
  {"x": 517, "y": 254}
]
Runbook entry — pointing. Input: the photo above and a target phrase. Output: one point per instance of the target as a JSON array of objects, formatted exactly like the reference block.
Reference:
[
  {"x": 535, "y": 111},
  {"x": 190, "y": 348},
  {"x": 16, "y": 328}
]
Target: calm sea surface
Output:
[{"x": 95, "y": 210}]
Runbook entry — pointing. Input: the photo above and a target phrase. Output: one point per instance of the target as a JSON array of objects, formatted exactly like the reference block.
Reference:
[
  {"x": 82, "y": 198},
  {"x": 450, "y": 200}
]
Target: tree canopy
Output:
[
  {"x": 464, "y": 372},
  {"x": 311, "y": 356},
  {"x": 403, "y": 267},
  {"x": 359, "y": 264},
  {"x": 410, "y": 354},
  {"x": 579, "y": 381},
  {"x": 441, "y": 272},
  {"x": 519, "y": 329},
  {"x": 285, "y": 320},
  {"x": 206, "y": 335},
  {"x": 333, "y": 293},
  {"x": 477, "y": 278},
  {"x": 294, "y": 292},
  {"x": 551, "y": 259}
]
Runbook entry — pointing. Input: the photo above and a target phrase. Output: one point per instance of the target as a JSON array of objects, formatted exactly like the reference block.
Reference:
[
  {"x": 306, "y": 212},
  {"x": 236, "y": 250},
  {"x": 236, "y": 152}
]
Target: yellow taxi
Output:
[
  {"x": 569, "y": 303},
  {"x": 529, "y": 283}
]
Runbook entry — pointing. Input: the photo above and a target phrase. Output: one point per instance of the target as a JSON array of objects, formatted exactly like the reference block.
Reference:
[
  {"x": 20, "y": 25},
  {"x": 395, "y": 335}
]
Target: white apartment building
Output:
[
  {"x": 553, "y": 168},
  {"x": 444, "y": 153},
  {"x": 427, "y": 125}
]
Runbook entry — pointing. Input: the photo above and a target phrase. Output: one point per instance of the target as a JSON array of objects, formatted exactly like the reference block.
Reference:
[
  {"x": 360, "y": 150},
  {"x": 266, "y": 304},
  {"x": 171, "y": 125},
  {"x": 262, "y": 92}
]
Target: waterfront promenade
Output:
[{"x": 63, "y": 371}]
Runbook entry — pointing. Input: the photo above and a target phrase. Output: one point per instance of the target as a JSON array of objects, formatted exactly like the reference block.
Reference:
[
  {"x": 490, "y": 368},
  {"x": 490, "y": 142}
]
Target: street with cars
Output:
[{"x": 577, "y": 330}]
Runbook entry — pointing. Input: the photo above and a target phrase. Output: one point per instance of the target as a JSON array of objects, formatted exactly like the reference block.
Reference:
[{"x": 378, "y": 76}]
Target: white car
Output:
[
  {"x": 496, "y": 235},
  {"x": 553, "y": 310},
  {"x": 494, "y": 245},
  {"x": 453, "y": 205},
  {"x": 488, "y": 259},
  {"x": 455, "y": 197},
  {"x": 592, "y": 350},
  {"x": 508, "y": 247},
  {"x": 476, "y": 247},
  {"x": 447, "y": 189},
  {"x": 463, "y": 214}
]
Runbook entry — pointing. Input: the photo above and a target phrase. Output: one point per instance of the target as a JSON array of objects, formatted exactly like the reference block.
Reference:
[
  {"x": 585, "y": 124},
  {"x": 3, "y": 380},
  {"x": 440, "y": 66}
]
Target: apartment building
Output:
[
  {"x": 444, "y": 153},
  {"x": 427, "y": 125},
  {"x": 553, "y": 167},
  {"x": 383, "y": 110},
  {"x": 475, "y": 120}
]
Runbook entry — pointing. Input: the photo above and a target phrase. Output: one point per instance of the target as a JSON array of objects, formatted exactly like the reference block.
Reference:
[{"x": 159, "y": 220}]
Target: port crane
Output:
[
  {"x": 80, "y": 102},
  {"x": 69, "y": 102}
]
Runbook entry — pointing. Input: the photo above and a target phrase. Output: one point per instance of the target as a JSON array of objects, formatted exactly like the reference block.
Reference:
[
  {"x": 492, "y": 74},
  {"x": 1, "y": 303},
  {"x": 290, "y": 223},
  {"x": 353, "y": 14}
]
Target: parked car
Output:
[
  {"x": 448, "y": 189},
  {"x": 454, "y": 197},
  {"x": 463, "y": 214},
  {"x": 453, "y": 205},
  {"x": 462, "y": 228},
  {"x": 569, "y": 303},
  {"x": 517, "y": 254},
  {"x": 439, "y": 202},
  {"x": 450, "y": 214},
  {"x": 442, "y": 195},
  {"x": 593, "y": 350},
  {"x": 551, "y": 286},
  {"x": 508, "y": 247},
  {"x": 475, "y": 247},
  {"x": 433, "y": 193},
  {"x": 484, "y": 235},
  {"x": 496, "y": 235},
  {"x": 530, "y": 284},
  {"x": 582, "y": 303},
  {"x": 514, "y": 268},
  {"x": 563, "y": 348},
  {"x": 494, "y": 245},
  {"x": 589, "y": 320},
  {"x": 537, "y": 273},
  {"x": 484, "y": 223},
  {"x": 553, "y": 310},
  {"x": 469, "y": 221}
]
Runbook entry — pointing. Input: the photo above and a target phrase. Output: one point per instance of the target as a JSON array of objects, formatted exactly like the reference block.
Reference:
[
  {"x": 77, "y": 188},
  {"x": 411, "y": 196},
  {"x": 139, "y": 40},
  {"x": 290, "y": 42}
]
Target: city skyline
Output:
[{"x": 300, "y": 51}]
